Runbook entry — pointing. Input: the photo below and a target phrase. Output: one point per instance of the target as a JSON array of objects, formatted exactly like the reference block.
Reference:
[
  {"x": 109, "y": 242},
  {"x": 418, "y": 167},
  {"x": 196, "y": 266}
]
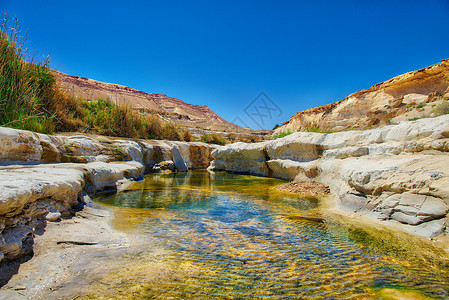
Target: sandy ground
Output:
[
  {"x": 57, "y": 248},
  {"x": 307, "y": 188}
]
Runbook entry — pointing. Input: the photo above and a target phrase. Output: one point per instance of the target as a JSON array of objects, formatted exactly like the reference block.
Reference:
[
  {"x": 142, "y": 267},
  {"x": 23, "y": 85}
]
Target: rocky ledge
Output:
[
  {"x": 45, "y": 178},
  {"x": 396, "y": 174}
]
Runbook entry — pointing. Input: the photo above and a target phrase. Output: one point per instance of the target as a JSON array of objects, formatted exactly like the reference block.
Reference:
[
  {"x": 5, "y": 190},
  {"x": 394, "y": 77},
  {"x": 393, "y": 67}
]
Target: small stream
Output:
[{"x": 228, "y": 236}]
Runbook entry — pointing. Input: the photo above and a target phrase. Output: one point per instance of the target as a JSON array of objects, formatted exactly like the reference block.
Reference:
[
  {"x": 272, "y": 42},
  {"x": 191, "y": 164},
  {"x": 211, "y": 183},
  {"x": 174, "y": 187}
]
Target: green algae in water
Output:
[{"x": 224, "y": 236}]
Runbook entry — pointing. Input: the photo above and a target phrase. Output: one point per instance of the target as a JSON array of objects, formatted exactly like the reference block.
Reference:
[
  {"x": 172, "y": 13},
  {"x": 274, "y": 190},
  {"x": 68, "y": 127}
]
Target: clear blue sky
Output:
[{"x": 224, "y": 53}]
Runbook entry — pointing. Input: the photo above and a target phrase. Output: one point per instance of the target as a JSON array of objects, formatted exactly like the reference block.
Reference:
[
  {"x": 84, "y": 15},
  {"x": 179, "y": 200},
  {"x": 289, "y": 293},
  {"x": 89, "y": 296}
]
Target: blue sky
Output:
[{"x": 223, "y": 54}]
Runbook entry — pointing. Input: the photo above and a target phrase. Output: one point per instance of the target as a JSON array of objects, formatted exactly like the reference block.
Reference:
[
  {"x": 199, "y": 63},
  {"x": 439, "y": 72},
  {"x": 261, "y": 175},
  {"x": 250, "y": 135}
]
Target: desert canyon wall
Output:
[
  {"x": 411, "y": 95},
  {"x": 395, "y": 174}
]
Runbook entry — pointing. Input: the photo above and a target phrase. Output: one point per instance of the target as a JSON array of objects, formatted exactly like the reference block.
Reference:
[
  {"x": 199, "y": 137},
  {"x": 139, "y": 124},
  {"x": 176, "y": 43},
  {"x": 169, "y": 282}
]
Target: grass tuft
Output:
[
  {"x": 442, "y": 109},
  {"x": 187, "y": 136},
  {"x": 281, "y": 134},
  {"x": 22, "y": 84}
]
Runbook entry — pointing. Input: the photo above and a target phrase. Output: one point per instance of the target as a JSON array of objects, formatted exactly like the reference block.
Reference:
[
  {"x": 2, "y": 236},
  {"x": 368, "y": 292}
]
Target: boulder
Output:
[
  {"x": 196, "y": 155},
  {"x": 289, "y": 169},
  {"x": 309, "y": 148},
  {"x": 19, "y": 145},
  {"x": 130, "y": 150},
  {"x": 106, "y": 175},
  {"x": 180, "y": 165},
  {"x": 166, "y": 165},
  {"x": 242, "y": 158},
  {"x": 53, "y": 216}
]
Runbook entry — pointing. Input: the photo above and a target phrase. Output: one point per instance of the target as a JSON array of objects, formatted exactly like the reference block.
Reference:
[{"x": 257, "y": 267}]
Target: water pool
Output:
[{"x": 229, "y": 236}]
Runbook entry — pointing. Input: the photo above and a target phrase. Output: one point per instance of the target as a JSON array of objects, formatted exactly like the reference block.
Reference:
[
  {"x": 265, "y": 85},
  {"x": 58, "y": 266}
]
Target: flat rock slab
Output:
[{"x": 57, "y": 250}]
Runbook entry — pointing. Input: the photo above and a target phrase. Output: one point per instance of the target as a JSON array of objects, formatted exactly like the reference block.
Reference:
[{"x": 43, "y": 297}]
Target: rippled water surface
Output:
[{"x": 234, "y": 236}]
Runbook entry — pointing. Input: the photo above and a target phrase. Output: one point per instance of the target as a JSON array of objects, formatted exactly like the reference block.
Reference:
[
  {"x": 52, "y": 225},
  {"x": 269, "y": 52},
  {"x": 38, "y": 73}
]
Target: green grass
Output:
[
  {"x": 421, "y": 105},
  {"x": 106, "y": 118},
  {"x": 415, "y": 118},
  {"x": 281, "y": 134},
  {"x": 23, "y": 85},
  {"x": 30, "y": 100},
  {"x": 313, "y": 128}
]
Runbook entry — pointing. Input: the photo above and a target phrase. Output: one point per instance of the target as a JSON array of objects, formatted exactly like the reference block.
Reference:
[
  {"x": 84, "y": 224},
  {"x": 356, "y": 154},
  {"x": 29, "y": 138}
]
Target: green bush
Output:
[
  {"x": 313, "y": 128},
  {"x": 107, "y": 118},
  {"x": 414, "y": 119}
]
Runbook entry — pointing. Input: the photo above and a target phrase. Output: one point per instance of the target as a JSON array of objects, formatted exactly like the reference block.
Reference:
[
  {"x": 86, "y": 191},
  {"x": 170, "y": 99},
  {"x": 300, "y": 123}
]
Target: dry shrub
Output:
[
  {"x": 213, "y": 138},
  {"x": 187, "y": 136},
  {"x": 442, "y": 109}
]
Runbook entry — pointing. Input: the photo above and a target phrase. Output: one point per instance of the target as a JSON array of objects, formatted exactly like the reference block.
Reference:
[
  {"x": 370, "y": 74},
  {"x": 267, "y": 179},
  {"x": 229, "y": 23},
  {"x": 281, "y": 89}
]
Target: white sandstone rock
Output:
[
  {"x": 19, "y": 145},
  {"x": 396, "y": 172},
  {"x": 53, "y": 216}
]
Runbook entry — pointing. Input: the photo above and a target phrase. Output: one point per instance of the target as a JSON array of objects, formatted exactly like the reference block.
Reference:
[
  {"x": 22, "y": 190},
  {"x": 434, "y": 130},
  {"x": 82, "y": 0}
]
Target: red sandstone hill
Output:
[{"x": 175, "y": 110}]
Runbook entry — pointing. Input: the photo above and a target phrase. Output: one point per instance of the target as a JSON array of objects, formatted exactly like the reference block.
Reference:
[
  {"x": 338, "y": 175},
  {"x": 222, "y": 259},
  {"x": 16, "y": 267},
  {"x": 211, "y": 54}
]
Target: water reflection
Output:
[
  {"x": 188, "y": 190},
  {"x": 234, "y": 236}
]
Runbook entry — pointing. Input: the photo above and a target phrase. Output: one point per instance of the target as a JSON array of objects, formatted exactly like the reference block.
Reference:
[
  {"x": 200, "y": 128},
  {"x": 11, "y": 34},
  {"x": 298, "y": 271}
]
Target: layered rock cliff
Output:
[
  {"x": 169, "y": 108},
  {"x": 412, "y": 95},
  {"x": 43, "y": 178},
  {"x": 396, "y": 174}
]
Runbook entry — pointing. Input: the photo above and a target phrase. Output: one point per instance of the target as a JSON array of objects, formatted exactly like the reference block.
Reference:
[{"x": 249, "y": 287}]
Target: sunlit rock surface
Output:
[
  {"x": 180, "y": 165},
  {"x": 411, "y": 95},
  {"x": 43, "y": 178},
  {"x": 396, "y": 173},
  {"x": 23, "y": 146}
]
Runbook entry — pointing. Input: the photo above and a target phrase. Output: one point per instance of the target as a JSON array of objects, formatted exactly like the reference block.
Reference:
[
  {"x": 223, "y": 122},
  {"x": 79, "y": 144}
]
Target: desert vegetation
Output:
[
  {"x": 214, "y": 138},
  {"x": 281, "y": 134},
  {"x": 30, "y": 99},
  {"x": 23, "y": 86},
  {"x": 442, "y": 109}
]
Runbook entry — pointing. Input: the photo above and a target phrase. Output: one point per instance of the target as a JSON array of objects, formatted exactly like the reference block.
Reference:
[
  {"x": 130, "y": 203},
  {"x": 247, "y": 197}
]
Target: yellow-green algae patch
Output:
[{"x": 216, "y": 236}]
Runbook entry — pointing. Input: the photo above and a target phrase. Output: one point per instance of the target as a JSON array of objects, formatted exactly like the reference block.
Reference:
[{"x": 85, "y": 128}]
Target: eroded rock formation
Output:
[
  {"x": 412, "y": 95},
  {"x": 396, "y": 173},
  {"x": 169, "y": 108},
  {"x": 44, "y": 178}
]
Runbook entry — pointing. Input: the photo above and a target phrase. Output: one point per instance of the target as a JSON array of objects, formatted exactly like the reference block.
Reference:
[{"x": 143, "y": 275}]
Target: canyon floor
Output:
[{"x": 58, "y": 246}]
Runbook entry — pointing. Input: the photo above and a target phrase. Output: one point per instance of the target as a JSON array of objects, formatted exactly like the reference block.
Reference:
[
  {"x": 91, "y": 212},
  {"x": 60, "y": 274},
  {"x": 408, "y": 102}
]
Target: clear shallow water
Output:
[{"x": 235, "y": 236}]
